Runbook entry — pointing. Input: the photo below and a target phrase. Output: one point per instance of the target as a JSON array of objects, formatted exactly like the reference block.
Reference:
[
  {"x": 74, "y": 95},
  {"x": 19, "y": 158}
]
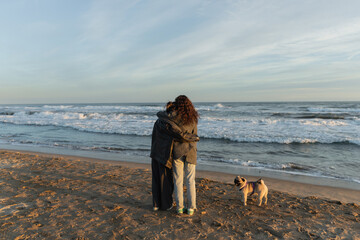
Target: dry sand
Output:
[{"x": 46, "y": 196}]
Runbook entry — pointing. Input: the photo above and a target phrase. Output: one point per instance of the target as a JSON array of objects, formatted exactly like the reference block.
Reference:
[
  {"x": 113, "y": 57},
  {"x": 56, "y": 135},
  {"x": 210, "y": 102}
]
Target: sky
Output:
[{"x": 66, "y": 51}]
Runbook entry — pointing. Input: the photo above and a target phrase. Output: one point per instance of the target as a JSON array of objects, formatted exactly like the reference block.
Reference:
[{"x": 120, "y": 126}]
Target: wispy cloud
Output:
[
  {"x": 219, "y": 43},
  {"x": 113, "y": 45}
]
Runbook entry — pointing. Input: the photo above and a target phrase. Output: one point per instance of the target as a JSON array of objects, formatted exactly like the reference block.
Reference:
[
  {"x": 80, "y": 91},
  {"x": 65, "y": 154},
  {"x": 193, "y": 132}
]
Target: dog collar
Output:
[{"x": 243, "y": 186}]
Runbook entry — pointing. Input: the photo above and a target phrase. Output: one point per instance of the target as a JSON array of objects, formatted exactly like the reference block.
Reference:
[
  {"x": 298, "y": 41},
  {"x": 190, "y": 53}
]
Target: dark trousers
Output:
[{"x": 162, "y": 185}]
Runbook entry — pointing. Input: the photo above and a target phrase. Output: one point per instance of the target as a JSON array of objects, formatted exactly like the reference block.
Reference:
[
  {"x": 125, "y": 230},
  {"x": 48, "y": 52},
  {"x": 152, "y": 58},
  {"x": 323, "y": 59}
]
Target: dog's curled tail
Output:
[{"x": 260, "y": 181}]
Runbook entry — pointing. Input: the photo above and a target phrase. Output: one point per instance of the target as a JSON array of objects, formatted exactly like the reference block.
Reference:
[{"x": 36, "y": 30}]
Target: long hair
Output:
[{"x": 186, "y": 110}]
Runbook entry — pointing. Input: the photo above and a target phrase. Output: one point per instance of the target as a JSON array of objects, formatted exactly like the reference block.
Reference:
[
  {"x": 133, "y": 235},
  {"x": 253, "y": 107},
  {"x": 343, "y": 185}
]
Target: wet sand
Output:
[{"x": 47, "y": 196}]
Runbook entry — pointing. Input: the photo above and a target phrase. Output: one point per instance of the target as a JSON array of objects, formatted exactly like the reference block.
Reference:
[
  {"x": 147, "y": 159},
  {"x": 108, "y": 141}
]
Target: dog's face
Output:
[{"x": 239, "y": 181}]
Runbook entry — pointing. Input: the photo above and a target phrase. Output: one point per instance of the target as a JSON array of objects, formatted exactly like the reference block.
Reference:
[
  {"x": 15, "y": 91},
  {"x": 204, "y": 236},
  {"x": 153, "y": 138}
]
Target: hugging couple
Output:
[{"x": 173, "y": 153}]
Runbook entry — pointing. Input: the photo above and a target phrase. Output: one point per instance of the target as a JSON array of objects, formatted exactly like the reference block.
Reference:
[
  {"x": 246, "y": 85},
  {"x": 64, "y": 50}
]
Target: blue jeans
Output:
[{"x": 179, "y": 167}]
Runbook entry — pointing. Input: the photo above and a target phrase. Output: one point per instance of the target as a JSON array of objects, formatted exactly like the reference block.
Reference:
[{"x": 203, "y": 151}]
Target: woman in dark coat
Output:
[{"x": 165, "y": 132}]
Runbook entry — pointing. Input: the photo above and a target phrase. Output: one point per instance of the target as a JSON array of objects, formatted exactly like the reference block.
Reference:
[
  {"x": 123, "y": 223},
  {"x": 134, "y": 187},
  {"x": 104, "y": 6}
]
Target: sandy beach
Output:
[{"x": 47, "y": 196}]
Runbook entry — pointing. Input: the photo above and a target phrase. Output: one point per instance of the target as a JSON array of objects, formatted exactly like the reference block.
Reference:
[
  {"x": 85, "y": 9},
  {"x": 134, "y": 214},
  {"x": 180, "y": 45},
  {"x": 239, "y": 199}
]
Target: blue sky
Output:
[{"x": 65, "y": 51}]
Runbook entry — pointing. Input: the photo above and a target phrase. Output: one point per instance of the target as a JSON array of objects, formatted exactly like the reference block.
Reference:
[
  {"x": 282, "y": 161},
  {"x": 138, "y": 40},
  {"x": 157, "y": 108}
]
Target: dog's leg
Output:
[
  {"x": 260, "y": 199},
  {"x": 261, "y": 196},
  {"x": 245, "y": 199},
  {"x": 266, "y": 197}
]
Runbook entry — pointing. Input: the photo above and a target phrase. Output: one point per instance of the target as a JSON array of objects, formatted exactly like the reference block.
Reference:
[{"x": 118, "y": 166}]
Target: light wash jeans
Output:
[{"x": 179, "y": 166}]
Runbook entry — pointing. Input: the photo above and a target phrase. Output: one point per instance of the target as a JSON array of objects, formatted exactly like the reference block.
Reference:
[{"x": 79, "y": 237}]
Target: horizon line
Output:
[{"x": 282, "y": 101}]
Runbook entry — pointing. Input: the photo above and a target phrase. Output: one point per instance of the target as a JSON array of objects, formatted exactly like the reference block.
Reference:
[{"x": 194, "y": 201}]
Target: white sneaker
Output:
[
  {"x": 155, "y": 209},
  {"x": 190, "y": 211}
]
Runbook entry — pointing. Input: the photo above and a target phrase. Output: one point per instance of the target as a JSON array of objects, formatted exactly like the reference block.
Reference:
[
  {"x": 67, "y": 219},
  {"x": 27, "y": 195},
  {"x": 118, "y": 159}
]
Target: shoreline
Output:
[
  {"x": 205, "y": 166},
  {"x": 291, "y": 187}
]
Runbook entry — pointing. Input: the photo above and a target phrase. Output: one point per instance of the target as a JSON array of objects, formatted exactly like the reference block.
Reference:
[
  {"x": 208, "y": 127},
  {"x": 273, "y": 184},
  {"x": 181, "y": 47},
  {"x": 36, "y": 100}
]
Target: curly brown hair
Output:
[{"x": 186, "y": 110}]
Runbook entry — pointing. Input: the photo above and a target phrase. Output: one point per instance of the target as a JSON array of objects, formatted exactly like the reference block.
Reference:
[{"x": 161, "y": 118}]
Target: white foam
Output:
[
  {"x": 219, "y": 121},
  {"x": 219, "y": 105}
]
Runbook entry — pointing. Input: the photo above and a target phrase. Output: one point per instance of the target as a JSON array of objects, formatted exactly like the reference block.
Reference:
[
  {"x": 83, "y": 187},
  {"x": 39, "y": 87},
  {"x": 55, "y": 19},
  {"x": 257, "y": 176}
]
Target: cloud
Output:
[
  {"x": 223, "y": 42},
  {"x": 207, "y": 46}
]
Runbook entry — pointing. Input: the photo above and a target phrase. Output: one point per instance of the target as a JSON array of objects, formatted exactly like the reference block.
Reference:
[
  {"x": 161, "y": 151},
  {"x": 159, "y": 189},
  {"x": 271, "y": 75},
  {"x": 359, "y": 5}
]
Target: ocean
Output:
[{"x": 313, "y": 142}]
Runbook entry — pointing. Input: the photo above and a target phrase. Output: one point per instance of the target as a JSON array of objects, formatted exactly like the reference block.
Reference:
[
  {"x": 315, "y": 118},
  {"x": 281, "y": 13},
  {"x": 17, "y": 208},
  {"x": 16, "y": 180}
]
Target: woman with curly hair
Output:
[
  {"x": 167, "y": 133},
  {"x": 184, "y": 155}
]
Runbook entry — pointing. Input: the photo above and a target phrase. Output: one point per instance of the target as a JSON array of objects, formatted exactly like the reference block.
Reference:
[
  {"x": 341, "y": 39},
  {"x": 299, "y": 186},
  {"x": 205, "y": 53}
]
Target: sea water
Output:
[{"x": 315, "y": 139}]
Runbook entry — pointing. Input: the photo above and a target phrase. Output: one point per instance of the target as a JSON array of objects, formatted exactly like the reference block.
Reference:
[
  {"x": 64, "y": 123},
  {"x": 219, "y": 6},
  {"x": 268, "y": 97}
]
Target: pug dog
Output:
[{"x": 247, "y": 188}]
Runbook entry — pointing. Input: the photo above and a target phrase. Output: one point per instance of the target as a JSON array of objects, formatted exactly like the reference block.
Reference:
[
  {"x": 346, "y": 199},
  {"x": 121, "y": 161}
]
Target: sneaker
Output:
[
  {"x": 180, "y": 211},
  {"x": 190, "y": 211},
  {"x": 155, "y": 209}
]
